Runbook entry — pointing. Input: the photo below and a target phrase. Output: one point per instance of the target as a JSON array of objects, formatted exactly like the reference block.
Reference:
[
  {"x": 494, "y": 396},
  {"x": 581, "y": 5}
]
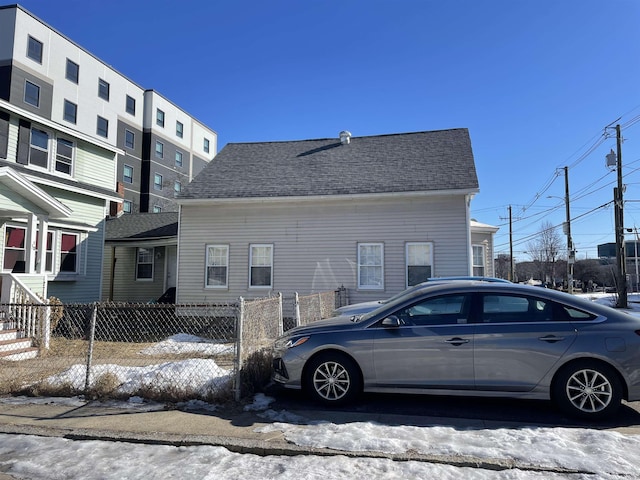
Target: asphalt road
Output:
[{"x": 533, "y": 412}]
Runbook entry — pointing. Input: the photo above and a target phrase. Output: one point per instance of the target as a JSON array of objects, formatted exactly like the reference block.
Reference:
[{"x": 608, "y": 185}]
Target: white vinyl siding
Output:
[
  {"x": 125, "y": 287},
  {"x": 94, "y": 165},
  {"x": 315, "y": 244}
]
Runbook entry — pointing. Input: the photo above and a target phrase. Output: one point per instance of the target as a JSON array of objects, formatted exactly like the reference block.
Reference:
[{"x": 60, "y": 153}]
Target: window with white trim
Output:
[
  {"x": 261, "y": 265},
  {"x": 64, "y": 156},
  {"x": 144, "y": 264},
  {"x": 478, "y": 260},
  {"x": 127, "y": 206},
  {"x": 69, "y": 253},
  {"x": 419, "y": 261},
  {"x": 14, "y": 249},
  {"x": 217, "y": 266},
  {"x": 371, "y": 266},
  {"x": 39, "y": 148},
  {"x": 48, "y": 261},
  {"x": 14, "y": 246},
  {"x": 50, "y": 153}
]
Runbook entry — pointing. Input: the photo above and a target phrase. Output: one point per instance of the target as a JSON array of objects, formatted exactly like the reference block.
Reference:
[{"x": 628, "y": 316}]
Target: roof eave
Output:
[{"x": 327, "y": 198}]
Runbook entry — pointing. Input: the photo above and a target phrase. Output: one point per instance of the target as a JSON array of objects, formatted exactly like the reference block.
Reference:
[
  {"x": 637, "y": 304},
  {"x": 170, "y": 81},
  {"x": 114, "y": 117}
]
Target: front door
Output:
[
  {"x": 171, "y": 267},
  {"x": 433, "y": 348}
]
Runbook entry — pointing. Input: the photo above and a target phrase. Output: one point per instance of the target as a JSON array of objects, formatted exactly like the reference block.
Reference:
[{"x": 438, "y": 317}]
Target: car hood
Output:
[
  {"x": 359, "y": 308},
  {"x": 342, "y": 322}
]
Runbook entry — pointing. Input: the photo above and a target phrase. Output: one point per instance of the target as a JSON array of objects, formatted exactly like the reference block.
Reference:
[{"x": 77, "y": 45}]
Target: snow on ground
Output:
[
  {"x": 185, "y": 343},
  {"x": 204, "y": 375},
  {"x": 593, "y": 454}
]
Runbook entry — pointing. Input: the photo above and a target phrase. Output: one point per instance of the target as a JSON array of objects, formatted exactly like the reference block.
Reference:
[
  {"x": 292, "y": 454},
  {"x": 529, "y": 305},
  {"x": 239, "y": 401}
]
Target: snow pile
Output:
[{"x": 185, "y": 343}]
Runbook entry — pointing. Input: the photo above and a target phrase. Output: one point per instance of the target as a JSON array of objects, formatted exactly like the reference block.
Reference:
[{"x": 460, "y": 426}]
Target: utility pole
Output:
[
  {"x": 619, "y": 221},
  {"x": 512, "y": 273},
  {"x": 570, "y": 251}
]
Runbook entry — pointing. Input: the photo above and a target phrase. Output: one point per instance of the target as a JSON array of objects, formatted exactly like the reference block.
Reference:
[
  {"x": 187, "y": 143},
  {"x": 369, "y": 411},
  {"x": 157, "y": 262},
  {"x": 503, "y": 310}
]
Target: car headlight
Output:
[{"x": 296, "y": 342}]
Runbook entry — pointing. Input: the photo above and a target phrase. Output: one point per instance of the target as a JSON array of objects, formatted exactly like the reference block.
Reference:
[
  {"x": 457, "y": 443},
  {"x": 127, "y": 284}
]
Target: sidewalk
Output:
[{"x": 232, "y": 428}]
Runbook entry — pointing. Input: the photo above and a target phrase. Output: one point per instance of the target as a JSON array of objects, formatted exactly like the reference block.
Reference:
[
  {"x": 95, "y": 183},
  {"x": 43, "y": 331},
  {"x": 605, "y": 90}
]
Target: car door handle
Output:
[
  {"x": 457, "y": 341},
  {"x": 551, "y": 338}
]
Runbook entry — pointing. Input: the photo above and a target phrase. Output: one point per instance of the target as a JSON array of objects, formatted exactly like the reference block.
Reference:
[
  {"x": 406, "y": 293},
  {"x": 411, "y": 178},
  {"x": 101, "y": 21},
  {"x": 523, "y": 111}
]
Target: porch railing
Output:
[{"x": 23, "y": 309}]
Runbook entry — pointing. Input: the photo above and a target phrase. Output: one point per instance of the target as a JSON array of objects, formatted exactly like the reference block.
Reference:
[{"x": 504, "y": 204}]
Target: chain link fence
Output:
[{"x": 161, "y": 352}]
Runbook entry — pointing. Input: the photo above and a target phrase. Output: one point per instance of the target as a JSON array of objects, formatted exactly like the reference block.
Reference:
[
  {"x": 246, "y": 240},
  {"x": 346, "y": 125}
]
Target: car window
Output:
[
  {"x": 442, "y": 310},
  {"x": 569, "y": 313},
  {"x": 515, "y": 308}
]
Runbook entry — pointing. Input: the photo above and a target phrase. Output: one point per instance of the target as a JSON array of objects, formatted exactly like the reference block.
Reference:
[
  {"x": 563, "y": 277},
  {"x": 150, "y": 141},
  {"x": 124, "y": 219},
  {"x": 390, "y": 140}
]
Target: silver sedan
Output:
[{"x": 471, "y": 339}]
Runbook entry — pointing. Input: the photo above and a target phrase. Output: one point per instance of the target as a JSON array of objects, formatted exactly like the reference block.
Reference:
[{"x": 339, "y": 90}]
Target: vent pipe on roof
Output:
[{"x": 345, "y": 137}]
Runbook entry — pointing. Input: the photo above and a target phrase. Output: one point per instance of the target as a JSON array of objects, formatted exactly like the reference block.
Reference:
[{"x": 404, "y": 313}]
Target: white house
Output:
[{"x": 373, "y": 214}]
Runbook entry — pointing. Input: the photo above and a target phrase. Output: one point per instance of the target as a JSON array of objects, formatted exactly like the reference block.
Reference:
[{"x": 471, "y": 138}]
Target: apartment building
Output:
[
  {"x": 52, "y": 77},
  {"x": 79, "y": 141}
]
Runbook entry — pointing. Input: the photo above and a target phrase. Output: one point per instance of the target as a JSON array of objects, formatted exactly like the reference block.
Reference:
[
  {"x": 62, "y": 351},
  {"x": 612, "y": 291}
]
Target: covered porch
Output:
[{"x": 25, "y": 213}]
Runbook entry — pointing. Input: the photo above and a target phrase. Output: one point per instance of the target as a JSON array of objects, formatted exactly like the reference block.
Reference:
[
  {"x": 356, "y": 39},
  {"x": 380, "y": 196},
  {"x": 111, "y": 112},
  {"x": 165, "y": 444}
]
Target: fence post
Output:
[
  {"x": 92, "y": 331},
  {"x": 296, "y": 309},
  {"x": 239, "y": 322},
  {"x": 46, "y": 329},
  {"x": 280, "y": 315}
]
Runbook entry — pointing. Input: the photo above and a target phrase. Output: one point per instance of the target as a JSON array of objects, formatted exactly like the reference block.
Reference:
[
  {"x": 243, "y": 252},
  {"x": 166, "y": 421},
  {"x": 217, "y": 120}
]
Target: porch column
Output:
[
  {"x": 30, "y": 244},
  {"x": 41, "y": 252}
]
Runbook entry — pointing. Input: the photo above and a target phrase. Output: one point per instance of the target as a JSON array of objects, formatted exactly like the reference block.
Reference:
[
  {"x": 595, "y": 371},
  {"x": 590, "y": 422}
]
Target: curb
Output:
[{"x": 260, "y": 448}]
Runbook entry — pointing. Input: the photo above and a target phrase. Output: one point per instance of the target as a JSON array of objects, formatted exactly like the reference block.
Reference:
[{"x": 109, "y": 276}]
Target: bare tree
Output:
[
  {"x": 544, "y": 250},
  {"x": 502, "y": 266}
]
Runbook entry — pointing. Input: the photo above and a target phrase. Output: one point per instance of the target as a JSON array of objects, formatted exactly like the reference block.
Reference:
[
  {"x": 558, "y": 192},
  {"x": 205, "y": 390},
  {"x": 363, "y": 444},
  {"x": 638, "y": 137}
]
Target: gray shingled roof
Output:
[
  {"x": 408, "y": 162},
  {"x": 142, "y": 226}
]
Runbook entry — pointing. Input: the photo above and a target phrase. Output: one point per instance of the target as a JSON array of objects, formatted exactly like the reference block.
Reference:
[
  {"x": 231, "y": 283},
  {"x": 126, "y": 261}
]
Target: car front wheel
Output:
[
  {"x": 333, "y": 379},
  {"x": 588, "y": 390}
]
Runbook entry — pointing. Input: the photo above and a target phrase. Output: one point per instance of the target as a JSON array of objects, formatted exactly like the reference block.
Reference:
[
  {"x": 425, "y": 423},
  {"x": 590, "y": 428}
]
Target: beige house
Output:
[{"x": 373, "y": 214}]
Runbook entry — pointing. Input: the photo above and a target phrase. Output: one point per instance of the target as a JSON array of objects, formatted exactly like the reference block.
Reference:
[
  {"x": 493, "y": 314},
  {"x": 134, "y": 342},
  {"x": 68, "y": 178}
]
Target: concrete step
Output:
[
  {"x": 19, "y": 354},
  {"x": 9, "y": 334},
  {"x": 14, "y": 344}
]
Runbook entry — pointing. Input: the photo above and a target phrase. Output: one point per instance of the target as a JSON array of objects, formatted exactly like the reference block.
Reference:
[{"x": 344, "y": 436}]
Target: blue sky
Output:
[{"x": 535, "y": 82}]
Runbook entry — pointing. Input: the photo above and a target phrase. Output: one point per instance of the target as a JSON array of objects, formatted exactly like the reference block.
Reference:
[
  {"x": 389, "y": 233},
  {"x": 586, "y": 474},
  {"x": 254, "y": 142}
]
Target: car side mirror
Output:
[{"x": 391, "y": 322}]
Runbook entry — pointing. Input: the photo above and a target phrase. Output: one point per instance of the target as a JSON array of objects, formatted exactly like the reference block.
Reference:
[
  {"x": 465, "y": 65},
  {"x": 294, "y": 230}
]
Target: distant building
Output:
[
  {"x": 161, "y": 147},
  {"x": 79, "y": 141}
]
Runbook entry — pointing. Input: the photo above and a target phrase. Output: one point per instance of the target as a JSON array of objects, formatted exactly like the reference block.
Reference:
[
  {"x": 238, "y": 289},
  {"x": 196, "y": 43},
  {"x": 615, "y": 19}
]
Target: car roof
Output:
[{"x": 467, "y": 286}]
